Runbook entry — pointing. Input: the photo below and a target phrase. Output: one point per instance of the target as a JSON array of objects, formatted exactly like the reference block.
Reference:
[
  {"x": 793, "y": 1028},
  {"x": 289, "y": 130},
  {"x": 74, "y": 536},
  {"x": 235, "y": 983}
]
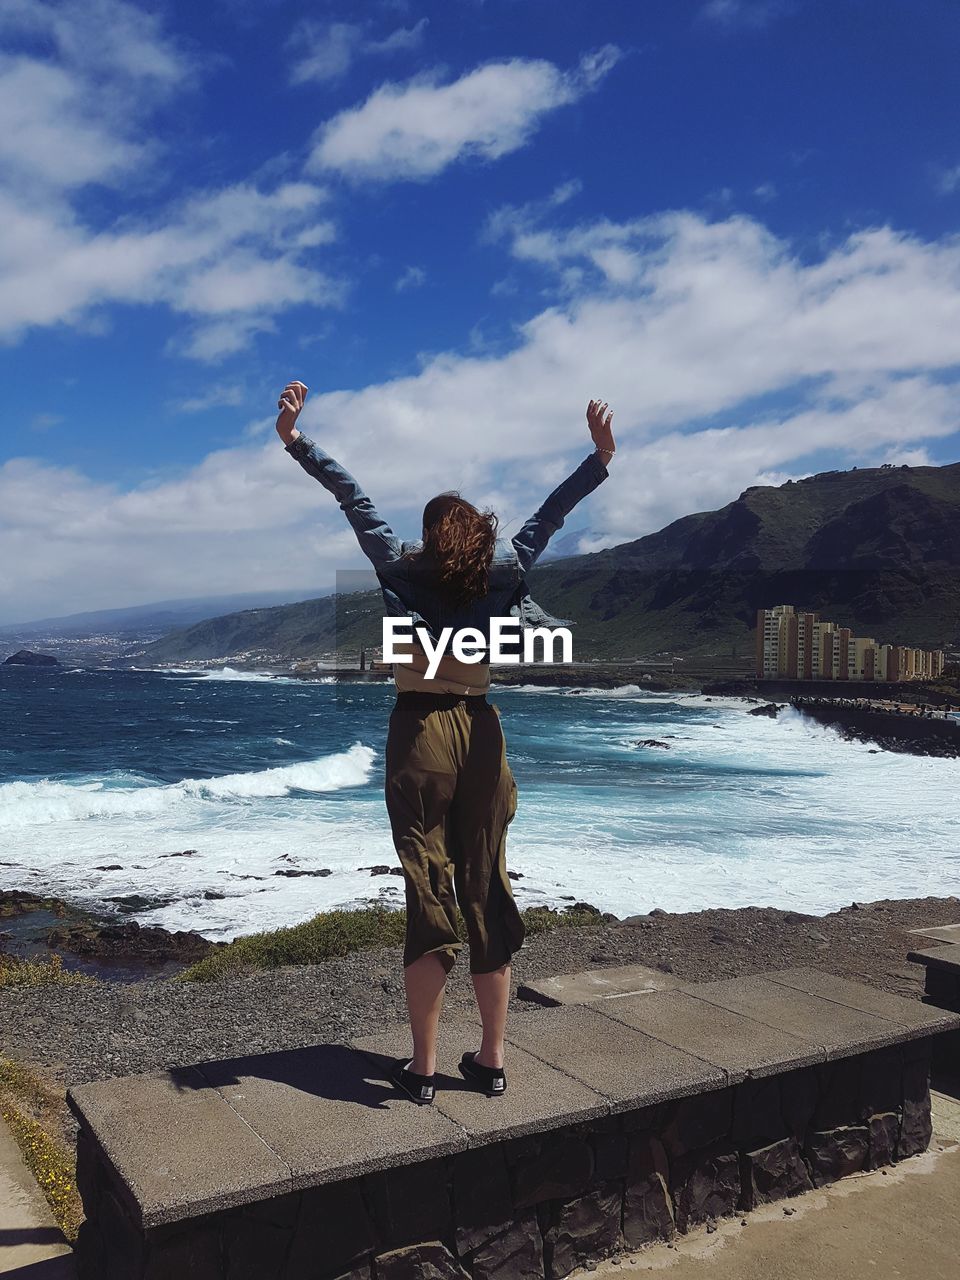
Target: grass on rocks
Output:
[
  {"x": 337, "y": 933},
  {"x": 35, "y": 1112},
  {"x": 44, "y": 972}
]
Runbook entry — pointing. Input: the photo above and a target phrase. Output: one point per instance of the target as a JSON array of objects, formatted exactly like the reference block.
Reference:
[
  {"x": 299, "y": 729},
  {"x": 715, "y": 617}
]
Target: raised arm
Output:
[
  {"x": 377, "y": 540},
  {"x": 530, "y": 542}
]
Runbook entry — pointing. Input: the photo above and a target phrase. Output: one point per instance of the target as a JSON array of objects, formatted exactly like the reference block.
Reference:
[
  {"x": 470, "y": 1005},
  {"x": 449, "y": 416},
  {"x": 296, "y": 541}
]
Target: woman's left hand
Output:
[{"x": 290, "y": 403}]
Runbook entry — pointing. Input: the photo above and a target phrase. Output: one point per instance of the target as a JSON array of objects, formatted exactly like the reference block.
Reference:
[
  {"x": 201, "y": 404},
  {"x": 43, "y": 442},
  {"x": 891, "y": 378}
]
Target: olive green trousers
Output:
[{"x": 451, "y": 796}]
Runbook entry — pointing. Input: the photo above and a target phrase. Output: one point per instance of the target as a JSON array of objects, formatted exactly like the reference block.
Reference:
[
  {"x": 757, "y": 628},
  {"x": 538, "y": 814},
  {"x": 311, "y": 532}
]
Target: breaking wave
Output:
[{"x": 26, "y": 804}]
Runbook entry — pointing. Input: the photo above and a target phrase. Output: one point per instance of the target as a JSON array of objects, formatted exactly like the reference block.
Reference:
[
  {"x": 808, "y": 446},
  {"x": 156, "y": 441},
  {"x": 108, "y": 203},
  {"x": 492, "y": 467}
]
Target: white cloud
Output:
[
  {"x": 44, "y": 421},
  {"x": 111, "y": 37},
  {"x": 77, "y": 93},
  {"x": 909, "y": 458},
  {"x": 743, "y": 13},
  {"x": 415, "y": 130},
  {"x": 48, "y": 137},
  {"x": 218, "y": 339},
  {"x": 713, "y": 465},
  {"x": 948, "y": 180},
  {"x": 326, "y": 51},
  {"x": 235, "y": 253},
  {"x": 72, "y": 117},
  {"x": 412, "y": 278},
  {"x": 220, "y": 395},
  {"x": 729, "y": 359}
]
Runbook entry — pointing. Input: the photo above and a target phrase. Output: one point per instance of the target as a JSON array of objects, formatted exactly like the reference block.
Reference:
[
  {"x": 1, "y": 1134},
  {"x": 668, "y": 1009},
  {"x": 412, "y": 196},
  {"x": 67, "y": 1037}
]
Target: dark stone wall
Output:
[
  {"x": 905, "y": 730},
  {"x": 534, "y": 1208},
  {"x": 942, "y": 989}
]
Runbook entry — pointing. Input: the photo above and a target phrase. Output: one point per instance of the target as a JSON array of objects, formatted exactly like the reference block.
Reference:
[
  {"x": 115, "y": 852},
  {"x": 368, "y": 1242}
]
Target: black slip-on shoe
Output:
[
  {"x": 420, "y": 1088},
  {"x": 490, "y": 1080}
]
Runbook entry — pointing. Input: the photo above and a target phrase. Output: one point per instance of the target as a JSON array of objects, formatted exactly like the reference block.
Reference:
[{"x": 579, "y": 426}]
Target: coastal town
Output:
[{"x": 796, "y": 645}]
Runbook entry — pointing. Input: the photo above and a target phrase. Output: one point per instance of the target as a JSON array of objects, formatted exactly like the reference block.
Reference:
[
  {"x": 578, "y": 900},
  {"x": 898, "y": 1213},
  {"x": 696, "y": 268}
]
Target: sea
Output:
[{"x": 183, "y": 797}]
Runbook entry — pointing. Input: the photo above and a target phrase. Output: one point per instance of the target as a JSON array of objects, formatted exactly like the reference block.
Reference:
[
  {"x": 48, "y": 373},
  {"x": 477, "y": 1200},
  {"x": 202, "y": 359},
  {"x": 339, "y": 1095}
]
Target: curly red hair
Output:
[{"x": 458, "y": 541}]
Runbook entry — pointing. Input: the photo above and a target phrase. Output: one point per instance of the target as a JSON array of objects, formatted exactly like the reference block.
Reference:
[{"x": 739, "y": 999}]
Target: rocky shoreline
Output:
[
  {"x": 33, "y": 926},
  {"x": 101, "y": 1029}
]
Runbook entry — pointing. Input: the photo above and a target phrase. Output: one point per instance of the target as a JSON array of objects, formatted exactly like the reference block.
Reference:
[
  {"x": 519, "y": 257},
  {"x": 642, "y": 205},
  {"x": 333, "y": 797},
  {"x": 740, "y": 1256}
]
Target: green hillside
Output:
[{"x": 875, "y": 549}]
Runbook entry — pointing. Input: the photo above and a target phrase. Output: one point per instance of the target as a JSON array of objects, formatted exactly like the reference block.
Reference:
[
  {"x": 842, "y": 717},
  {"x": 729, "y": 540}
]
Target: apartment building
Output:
[{"x": 794, "y": 645}]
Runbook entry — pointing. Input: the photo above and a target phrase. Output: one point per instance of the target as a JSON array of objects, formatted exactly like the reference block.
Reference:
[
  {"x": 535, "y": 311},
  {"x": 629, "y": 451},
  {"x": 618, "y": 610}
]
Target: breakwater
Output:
[{"x": 893, "y": 729}]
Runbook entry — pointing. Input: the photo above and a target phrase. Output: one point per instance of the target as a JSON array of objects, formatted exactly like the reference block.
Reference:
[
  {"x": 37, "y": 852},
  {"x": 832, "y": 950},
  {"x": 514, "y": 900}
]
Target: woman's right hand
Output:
[
  {"x": 291, "y": 401},
  {"x": 600, "y": 420}
]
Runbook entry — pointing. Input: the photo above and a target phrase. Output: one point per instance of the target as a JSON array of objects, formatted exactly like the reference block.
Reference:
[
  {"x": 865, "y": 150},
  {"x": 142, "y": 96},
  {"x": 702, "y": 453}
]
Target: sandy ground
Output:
[{"x": 31, "y": 1243}]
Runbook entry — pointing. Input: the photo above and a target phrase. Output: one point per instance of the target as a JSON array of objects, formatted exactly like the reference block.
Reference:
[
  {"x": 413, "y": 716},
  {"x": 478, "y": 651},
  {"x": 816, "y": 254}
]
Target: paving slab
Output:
[
  {"x": 628, "y": 1068},
  {"x": 890, "y": 1224},
  {"x": 31, "y": 1243},
  {"x": 838, "y": 1030},
  {"x": 940, "y": 933},
  {"x": 738, "y": 1045},
  {"x": 945, "y": 1115},
  {"x": 161, "y": 1133},
  {"x": 328, "y": 1115},
  {"x": 915, "y": 1019},
  {"x": 538, "y": 1096},
  {"x": 946, "y": 958},
  {"x": 597, "y": 984}
]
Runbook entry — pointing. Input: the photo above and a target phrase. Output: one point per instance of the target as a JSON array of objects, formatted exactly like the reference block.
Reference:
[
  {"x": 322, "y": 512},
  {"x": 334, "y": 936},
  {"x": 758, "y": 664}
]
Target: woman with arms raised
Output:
[{"x": 449, "y": 790}]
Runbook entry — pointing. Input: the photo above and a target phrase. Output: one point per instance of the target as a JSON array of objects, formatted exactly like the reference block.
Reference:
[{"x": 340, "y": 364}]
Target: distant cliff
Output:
[
  {"x": 875, "y": 549},
  {"x": 289, "y": 631}
]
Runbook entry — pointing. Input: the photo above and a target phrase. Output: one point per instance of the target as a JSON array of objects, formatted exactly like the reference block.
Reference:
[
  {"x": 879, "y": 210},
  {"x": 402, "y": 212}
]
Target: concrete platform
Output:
[
  {"x": 628, "y": 1068},
  {"x": 538, "y": 1098},
  {"x": 326, "y": 1116},
  {"x": 837, "y": 1029},
  {"x": 946, "y": 958},
  {"x": 739, "y": 1046},
  {"x": 31, "y": 1243},
  {"x": 939, "y": 933},
  {"x": 597, "y": 984},
  {"x": 179, "y": 1147},
  {"x": 917, "y": 1019}
]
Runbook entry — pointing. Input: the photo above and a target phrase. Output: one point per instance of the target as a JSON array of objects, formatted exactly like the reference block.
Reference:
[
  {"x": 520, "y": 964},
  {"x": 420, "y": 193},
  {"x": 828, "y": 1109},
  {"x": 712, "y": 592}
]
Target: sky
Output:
[{"x": 456, "y": 222}]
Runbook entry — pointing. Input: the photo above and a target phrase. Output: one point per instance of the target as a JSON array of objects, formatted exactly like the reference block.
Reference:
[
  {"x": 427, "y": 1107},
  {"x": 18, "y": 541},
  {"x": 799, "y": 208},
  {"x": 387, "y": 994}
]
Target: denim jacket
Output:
[{"x": 409, "y": 589}]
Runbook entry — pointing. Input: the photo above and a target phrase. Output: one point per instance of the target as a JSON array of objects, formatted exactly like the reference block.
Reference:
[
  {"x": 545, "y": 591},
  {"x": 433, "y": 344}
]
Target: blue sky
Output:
[{"x": 736, "y": 220}]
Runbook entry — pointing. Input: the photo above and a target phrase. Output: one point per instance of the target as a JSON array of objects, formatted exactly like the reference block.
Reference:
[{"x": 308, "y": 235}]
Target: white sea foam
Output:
[
  {"x": 623, "y": 691},
  {"x": 227, "y": 673},
  {"x": 27, "y": 804}
]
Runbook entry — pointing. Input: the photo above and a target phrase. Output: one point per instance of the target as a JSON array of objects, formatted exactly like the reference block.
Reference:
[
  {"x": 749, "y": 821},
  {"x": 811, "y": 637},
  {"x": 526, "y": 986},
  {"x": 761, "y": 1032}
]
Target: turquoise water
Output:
[{"x": 257, "y": 774}]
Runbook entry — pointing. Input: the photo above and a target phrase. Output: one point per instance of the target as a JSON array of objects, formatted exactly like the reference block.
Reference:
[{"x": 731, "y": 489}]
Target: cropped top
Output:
[{"x": 453, "y": 676}]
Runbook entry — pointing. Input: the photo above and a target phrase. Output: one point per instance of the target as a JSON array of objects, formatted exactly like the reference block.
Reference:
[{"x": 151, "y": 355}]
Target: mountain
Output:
[
  {"x": 163, "y": 615},
  {"x": 305, "y": 630},
  {"x": 875, "y": 549}
]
